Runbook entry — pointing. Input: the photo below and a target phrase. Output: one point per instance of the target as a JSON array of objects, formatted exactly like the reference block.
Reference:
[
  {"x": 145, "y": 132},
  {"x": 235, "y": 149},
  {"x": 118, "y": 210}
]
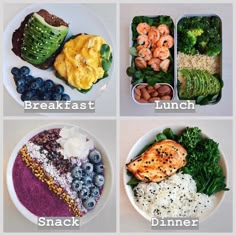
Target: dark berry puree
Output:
[{"x": 35, "y": 195}]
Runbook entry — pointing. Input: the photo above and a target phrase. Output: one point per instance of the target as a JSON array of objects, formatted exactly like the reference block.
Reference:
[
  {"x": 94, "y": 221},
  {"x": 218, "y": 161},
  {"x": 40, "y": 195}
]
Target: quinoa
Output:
[{"x": 198, "y": 61}]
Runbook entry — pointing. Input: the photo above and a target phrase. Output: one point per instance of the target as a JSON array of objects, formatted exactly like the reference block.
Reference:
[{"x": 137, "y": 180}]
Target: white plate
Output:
[
  {"x": 81, "y": 20},
  {"x": 108, "y": 175},
  {"x": 147, "y": 139}
]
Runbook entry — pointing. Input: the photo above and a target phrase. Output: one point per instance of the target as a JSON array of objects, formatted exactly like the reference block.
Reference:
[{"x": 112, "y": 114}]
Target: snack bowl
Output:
[
  {"x": 144, "y": 94},
  {"x": 106, "y": 191}
]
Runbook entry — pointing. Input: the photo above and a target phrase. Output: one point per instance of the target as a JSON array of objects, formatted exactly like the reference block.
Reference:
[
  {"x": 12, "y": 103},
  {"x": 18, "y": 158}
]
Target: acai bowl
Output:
[{"x": 59, "y": 170}]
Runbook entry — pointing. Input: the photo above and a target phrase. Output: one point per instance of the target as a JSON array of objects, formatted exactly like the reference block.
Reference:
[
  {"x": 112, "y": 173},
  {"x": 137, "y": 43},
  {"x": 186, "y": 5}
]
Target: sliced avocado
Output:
[
  {"x": 183, "y": 84},
  {"x": 41, "y": 40},
  {"x": 199, "y": 84}
]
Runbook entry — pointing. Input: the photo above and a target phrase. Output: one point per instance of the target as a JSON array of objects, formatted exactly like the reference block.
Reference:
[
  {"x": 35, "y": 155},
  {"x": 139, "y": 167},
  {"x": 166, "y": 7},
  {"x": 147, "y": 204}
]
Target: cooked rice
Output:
[{"x": 201, "y": 62}]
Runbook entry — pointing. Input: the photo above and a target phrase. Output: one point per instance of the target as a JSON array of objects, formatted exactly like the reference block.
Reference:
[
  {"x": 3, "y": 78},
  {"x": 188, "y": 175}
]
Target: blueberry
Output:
[
  {"x": 39, "y": 81},
  {"x": 35, "y": 97},
  {"x": 23, "y": 98},
  {"x": 99, "y": 168},
  {"x": 34, "y": 85},
  {"x": 84, "y": 193},
  {"x": 21, "y": 89},
  {"x": 56, "y": 96},
  {"x": 26, "y": 96},
  {"x": 58, "y": 89},
  {"x": 87, "y": 167},
  {"x": 99, "y": 180},
  {"x": 94, "y": 191},
  {"x": 24, "y": 70},
  {"x": 87, "y": 180},
  {"x": 95, "y": 156},
  {"x": 15, "y": 71},
  {"x": 90, "y": 203},
  {"x": 77, "y": 172},
  {"x": 77, "y": 185},
  {"x": 46, "y": 96},
  {"x": 20, "y": 82},
  {"x": 17, "y": 77},
  {"x": 65, "y": 97},
  {"x": 29, "y": 79},
  {"x": 48, "y": 84}
]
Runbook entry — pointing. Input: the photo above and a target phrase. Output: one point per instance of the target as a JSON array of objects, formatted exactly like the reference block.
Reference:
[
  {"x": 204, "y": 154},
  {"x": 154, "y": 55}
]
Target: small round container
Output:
[{"x": 150, "y": 93}]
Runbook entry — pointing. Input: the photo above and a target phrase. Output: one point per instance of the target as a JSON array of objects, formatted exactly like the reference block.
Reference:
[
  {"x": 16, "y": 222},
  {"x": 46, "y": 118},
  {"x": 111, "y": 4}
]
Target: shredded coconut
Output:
[{"x": 74, "y": 143}]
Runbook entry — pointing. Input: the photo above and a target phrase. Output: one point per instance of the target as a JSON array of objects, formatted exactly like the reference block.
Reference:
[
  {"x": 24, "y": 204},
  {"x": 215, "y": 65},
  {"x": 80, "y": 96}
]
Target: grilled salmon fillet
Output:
[{"x": 161, "y": 160}]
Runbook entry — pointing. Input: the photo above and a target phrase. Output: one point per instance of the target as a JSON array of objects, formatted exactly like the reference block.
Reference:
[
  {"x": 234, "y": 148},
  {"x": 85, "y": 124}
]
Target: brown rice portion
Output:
[{"x": 198, "y": 61}]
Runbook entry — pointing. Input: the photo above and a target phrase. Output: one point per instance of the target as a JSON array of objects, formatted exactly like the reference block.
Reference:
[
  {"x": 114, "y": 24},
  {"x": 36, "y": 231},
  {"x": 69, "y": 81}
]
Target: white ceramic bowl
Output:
[
  {"x": 108, "y": 175},
  {"x": 149, "y": 138}
]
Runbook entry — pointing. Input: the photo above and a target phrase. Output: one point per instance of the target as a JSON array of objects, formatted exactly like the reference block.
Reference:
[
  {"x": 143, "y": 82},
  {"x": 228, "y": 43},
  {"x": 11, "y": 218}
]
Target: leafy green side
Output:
[
  {"x": 202, "y": 159},
  {"x": 202, "y": 165},
  {"x": 148, "y": 75},
  {"x": 190, "y": 138}
]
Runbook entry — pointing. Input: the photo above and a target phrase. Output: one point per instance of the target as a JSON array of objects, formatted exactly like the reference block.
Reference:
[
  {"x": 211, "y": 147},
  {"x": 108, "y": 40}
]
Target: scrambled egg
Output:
[{"x": 80, "y": 62}]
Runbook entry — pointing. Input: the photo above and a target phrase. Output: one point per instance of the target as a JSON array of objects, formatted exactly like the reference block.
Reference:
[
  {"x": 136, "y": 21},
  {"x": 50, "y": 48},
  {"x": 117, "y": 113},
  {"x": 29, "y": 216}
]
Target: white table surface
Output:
[
  {"x": 106, "y": 103},
  {"x": 127, "y": 106},
  {"x": 104, "y": 131},
  {"x": 130, "y": 219}
]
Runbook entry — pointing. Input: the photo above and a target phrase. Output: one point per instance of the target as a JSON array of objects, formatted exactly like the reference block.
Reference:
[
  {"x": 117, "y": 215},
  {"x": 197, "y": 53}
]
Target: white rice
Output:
[{"x": 173, "y": 197}]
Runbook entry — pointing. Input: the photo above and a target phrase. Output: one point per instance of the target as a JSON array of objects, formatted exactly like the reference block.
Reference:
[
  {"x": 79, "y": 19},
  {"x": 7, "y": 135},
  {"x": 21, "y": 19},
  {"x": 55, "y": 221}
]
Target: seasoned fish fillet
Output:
[{"x": 161, "y": 160}]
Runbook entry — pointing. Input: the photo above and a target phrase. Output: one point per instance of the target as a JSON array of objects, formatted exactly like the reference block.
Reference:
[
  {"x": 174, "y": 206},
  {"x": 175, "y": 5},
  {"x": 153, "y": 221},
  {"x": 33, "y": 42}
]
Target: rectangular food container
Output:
[
  {"x": 202, "y": 100},
  {"x": 174, "y": 83},
  {"x": 138, "y": 76}
]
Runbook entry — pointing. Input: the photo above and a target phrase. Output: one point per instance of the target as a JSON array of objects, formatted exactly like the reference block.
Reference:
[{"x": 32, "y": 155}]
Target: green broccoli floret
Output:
[
  {"x": 196, "y": 32},
  {"x": 202, "y": 42},
  {"x": 190, "y": 39},
  {"x": 190, "y": 138},
  {"x": 213, "y": 49},
  {"x": 205, "y": 22},
  {"x": 215, "y": 22}
]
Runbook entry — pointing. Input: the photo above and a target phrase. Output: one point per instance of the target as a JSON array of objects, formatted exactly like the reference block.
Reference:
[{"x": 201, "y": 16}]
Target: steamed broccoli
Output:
[
  {"x": 196, "y": 32},
  {"x": 213, "y": 49},
  {"x": 199, "y": 35},
  {"x": 190, "y": 138}
]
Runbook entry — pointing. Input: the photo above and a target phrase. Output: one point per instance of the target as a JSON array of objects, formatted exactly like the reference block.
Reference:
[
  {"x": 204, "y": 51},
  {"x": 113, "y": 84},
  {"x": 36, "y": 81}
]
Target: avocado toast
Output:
[{"x": 39, "y": 38}]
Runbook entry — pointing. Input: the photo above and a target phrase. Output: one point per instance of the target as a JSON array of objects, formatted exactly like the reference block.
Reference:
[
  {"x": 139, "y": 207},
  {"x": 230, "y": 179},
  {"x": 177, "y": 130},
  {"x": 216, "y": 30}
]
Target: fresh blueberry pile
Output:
[
  {"x": 88, "y": 179},
  {"x": 37, "y": 89}
]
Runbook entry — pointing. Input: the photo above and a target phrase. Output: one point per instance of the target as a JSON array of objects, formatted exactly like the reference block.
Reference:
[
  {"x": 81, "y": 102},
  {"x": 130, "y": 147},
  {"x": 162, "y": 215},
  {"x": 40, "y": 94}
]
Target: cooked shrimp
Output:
[
  {"x": 143, "y": 41},
  {"x": 165, "y": 65},
  {"x": 166, "y": 40},
  {"x": 155, "y": 63},
  {"x": 161, "y": 52},
  {"x": 145, "y": 53},
  {"x": 163, "y": 29},
  {"x": 143, "y": 28},
  {"x": 153, "y": 35},
  {"x": 140, "y": 62}
]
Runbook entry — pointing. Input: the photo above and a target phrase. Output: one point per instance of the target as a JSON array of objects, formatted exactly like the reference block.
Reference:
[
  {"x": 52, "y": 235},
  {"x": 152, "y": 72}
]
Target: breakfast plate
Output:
[
  {"x": 75, "y": 15},
  {"x": 21, "y": 197},
  {"x": 137, "y": 192}
]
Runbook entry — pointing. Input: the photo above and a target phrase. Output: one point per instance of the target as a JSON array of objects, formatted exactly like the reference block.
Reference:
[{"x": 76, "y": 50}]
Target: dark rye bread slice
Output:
[{"x": 17, "y": 37}]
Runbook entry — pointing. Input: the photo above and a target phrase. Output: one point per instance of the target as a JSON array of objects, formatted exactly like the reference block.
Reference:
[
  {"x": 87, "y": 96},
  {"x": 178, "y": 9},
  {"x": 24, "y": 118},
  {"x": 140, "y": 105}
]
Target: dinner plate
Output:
[
  {"x": 81, "y": 20},
  {"x": 108, "y": 175},
  {"x": 147, "y": 139}
]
